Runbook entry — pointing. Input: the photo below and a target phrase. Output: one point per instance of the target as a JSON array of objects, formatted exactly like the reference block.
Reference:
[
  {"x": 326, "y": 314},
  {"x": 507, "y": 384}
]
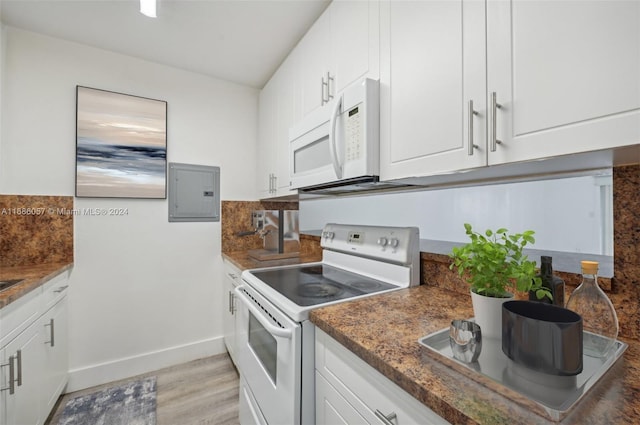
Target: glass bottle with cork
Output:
[{"x": 599, "y": 318}]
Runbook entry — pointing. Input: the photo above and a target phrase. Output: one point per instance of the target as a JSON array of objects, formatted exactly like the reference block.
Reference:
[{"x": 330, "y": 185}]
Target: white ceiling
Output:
[{"x": 243, "y": 41}]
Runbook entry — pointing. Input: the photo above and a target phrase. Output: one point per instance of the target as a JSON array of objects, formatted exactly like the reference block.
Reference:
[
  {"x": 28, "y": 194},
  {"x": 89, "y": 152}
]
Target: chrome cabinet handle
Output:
[
  {"x": 329, "y": 80},
  {"x": 19, "y": 362},
  {"x": 494, "y": 108},
  {"x": 12, "y": 385},
  {"x": 324, "y": 99},
  {"x": 272, "y": 183},
  {"x": 60, "y": 289},
  {"x": 51, "y": 333},
  {"x": 386, "y": 419},
  {"x": 471, "y": 114}
]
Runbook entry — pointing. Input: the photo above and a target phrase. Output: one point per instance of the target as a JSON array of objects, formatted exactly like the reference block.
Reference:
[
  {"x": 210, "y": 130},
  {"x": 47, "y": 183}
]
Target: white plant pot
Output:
[{"x": 488, "y": 314}]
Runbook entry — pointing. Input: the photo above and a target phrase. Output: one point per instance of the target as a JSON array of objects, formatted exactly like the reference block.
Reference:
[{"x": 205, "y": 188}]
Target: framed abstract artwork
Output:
[{"x": 121, "y": 145}]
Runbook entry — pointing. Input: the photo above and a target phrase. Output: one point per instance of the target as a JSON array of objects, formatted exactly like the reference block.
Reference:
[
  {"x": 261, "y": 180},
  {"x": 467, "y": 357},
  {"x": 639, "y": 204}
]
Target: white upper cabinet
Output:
[
  {"x": 277, "y": 112},
  {"x": 432, "y": 70},
  {"x": 341, "y": 47},
  {"x": 267, "y": 117},
  {"x": 567, "y": 75},
  {"x": 287, "y": 116},
  {"x": 564, "y": 74},
  {"x": 314, "y": 50},
  {"x": 355, "y": 42}
]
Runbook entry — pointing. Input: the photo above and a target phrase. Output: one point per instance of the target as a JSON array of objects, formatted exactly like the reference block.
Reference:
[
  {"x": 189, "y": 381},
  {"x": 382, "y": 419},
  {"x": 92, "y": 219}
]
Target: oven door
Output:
[{"x": 270, "y": 352}]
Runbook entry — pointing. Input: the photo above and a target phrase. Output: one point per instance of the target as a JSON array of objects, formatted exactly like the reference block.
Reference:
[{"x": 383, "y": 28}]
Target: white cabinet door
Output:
[
  {"x": 277, "y": 112},
  {"x": 566, "y": 74},
  {"x": 332, "y": 408},
  {"x": 267, "y": 116},
  {"x": 27, "y": 355},
  {"x": 432, "y": 67},
  {"x": 355, "y": 42},
  {"x": 341, "y": 47},
  {"x": 287, "y": 116},
  {"x": 54, "y": 325},
  {"x": 351, "y": 391},
  {"x": 315, "y": 57},
  {"x": 230, "y": 280}
]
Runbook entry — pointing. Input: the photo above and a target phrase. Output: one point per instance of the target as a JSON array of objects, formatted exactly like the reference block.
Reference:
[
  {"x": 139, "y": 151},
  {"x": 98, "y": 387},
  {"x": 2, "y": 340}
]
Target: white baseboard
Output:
[{"x": 90, "y": 376}]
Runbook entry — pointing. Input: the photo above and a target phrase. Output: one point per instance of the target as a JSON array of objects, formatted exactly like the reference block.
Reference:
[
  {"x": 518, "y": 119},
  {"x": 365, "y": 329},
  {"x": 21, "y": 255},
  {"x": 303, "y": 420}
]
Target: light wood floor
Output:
[{"x": 201, "y": 392}]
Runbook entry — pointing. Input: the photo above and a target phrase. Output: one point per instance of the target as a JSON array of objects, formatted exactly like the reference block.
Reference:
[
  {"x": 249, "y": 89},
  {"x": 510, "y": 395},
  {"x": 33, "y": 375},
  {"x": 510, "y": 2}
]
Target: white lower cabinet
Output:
[
  {"x": 231, "y": 280},
  {"x": 55, "y": 341},
  {"x": 33, "y": 354},
  {"x": 23, "y": 360},
  {"x": 350, "y": 391}
]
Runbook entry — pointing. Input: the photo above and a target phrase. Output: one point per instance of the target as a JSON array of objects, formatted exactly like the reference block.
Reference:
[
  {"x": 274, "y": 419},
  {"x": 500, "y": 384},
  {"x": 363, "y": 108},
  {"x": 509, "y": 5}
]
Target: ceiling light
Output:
[{"x": 148, "y": 8}]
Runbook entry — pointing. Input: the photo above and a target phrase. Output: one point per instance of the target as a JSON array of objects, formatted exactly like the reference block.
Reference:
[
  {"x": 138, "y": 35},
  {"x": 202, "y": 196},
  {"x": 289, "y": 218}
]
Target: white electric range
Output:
[{"x": 275, "y": 336}]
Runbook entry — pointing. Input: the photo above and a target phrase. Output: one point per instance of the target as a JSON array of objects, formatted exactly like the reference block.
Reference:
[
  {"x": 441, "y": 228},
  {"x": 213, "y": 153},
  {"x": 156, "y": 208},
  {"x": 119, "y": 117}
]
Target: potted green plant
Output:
[{"x": 495, "y": 268}]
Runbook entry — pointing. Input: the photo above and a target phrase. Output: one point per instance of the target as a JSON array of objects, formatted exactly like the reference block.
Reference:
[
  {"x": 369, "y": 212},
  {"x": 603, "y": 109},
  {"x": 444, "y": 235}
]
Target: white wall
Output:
[
  {"x": 144, "y": 293},
  {"x": 565, "y": 213}
]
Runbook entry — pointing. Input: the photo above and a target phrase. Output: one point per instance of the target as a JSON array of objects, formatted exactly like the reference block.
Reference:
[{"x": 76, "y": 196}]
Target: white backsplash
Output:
[{"x": 568, "y": 214}]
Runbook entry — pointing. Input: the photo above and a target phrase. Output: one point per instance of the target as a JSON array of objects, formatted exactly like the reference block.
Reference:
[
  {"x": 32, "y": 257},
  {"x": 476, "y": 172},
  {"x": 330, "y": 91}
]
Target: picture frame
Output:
[{"x": 121, "y": 145}]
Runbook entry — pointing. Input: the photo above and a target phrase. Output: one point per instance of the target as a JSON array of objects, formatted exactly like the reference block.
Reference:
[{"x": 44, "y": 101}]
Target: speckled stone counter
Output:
[
  {"x": 384, "y": 329},
  {"x": 35, "y": 229},
  {"x": 242, "y": 260},
  {"x": 34, "y": 276},
  {"x": 36, "y": 241}
]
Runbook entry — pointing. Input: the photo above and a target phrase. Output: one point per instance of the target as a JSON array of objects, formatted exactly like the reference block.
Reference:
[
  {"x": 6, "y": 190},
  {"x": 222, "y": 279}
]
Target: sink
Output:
[{"x": 6, "y": 284}]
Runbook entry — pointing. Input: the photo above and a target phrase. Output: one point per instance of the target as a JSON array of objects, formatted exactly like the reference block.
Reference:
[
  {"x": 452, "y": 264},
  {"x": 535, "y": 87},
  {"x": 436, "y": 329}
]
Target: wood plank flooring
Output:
[{"x": 201, "y": 392}]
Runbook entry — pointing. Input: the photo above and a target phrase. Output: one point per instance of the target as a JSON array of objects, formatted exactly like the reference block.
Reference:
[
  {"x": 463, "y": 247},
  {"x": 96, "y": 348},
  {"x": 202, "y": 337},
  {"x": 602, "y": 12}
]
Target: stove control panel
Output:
[{"x": 393, "y": 244}]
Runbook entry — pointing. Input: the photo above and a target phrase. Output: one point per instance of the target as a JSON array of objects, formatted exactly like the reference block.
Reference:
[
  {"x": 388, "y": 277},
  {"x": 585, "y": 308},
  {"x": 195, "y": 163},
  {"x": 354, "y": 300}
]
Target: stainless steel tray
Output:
[{"x": 555, "y": 394}]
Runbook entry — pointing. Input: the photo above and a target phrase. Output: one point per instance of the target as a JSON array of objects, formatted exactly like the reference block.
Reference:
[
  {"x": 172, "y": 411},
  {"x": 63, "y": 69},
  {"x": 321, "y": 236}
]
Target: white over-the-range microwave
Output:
[{"x": 339, "y": 143}]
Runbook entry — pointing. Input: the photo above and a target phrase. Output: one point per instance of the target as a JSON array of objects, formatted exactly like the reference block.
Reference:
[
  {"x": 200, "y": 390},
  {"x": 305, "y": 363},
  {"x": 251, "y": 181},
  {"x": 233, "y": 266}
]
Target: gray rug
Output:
[{"x": 132, "y": 403}]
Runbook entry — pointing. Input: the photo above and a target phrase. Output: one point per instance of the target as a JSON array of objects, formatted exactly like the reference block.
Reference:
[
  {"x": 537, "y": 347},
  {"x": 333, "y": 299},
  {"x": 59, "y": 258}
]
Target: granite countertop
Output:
[
  {"x": 384, "y": 329},
  {"x": 242, "y": 260},
  {"x": 34, "y": 276}
]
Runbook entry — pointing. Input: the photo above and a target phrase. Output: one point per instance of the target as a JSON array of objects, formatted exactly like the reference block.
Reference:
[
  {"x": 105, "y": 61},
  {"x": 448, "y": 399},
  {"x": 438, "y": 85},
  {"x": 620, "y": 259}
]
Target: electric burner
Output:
[
  {"x": 318, "y": 290},
  {"x": 309, "y": 285}
]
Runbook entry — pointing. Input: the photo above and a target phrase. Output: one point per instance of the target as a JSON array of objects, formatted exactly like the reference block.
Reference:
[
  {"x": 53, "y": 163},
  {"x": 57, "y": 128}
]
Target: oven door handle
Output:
[{"x": 273, "y": 330}]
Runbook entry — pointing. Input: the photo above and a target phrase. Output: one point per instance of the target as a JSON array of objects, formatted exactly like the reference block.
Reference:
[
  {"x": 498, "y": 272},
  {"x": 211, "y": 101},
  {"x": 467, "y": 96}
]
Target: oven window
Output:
[{"x": 264, "y": 345}]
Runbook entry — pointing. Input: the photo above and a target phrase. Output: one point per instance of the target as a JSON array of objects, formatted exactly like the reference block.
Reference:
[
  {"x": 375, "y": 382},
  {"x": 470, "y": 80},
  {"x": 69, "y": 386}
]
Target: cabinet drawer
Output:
[
  {"x": 372, "y": 394},
  {"x": 54, "y": 290},
  {"x": 232, "y": 272},
  {"x": 18, "y": 315}
]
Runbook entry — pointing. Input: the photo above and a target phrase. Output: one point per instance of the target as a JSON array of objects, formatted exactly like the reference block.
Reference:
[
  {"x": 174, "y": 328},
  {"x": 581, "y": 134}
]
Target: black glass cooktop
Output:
[{"x": 318, "y": 284}]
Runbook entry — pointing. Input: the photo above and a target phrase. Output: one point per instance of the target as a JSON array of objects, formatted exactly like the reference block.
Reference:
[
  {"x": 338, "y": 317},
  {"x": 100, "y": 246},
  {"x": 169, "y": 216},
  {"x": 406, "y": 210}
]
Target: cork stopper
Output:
[{"x": 589, "y": 267}]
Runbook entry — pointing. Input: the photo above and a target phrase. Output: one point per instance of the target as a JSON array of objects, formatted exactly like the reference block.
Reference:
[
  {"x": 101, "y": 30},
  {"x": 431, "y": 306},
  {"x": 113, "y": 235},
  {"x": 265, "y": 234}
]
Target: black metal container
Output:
[{"x": 542, "y": 337}]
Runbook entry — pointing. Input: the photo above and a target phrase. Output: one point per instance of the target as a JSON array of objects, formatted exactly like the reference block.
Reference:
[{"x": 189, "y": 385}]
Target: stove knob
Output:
[
  {"x": 330, "y": 235},
  {"x": 393, "y": 242},
  {"x": 382, "y": 241}
]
